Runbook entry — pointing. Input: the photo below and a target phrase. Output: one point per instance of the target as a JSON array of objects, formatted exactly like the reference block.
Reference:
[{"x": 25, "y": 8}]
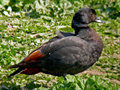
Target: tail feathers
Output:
[
  {"x": 33, "y": 64},
  {"x": 16, "y": 72},
  {"x": 13, "y": 66}
]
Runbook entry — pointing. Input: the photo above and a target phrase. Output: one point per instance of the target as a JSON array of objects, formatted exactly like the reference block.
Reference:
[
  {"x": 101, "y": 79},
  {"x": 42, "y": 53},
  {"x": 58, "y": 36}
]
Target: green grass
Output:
[{"x": 35, "y": 25}]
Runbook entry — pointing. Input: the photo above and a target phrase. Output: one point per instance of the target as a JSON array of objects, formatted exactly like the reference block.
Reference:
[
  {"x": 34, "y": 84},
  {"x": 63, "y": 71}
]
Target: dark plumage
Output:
[{"x": 66, "y": 53}]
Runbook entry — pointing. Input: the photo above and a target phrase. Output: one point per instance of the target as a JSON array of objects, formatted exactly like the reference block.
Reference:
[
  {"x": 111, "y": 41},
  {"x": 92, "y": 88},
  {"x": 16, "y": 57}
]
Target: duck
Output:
[{"x": 66, "y": 53}]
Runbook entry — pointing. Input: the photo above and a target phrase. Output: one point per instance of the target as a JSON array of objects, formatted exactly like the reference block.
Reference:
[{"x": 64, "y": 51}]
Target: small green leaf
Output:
[{"x": 4, "y": 2}]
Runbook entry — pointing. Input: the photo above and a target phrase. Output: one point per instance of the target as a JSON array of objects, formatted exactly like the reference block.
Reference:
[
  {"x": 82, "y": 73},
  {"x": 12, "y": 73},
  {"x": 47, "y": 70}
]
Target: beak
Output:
[{"x": 98, "y": 20}]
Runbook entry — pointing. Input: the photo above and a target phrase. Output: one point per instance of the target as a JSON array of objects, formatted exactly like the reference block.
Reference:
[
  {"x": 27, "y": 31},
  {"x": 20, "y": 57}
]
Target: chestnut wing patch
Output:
[{"x": 34, "y": 56}]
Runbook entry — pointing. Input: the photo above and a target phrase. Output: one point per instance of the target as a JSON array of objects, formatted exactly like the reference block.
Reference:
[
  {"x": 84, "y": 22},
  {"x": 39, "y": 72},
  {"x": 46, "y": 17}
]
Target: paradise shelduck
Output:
[{"x": 66, "y": 53}]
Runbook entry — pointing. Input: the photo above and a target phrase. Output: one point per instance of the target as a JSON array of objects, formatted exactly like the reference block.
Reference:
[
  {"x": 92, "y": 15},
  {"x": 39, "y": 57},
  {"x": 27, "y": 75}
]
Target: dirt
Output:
[
  {"x": 116, "y": 81},
  {"x": 95, "y": 72},
  {"x": 116, "y": 56}
]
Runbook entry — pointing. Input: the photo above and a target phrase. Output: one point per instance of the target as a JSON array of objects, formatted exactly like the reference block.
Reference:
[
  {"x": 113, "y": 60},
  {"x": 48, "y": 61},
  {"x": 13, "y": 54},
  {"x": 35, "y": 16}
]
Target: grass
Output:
[{"x": 34, "y": 25}]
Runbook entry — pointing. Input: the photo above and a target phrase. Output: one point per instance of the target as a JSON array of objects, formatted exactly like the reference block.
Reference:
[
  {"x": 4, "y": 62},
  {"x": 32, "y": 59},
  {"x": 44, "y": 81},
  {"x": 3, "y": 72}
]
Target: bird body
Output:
[{"x": 66, "y": 53}]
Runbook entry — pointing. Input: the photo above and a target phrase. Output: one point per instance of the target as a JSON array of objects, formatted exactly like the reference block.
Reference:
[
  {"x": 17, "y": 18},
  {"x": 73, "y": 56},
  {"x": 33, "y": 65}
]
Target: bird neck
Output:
[
  {"x": 79, "y": 26},
  {"x": 88, "y": 34},
  {"x": 81, "y": 30}
]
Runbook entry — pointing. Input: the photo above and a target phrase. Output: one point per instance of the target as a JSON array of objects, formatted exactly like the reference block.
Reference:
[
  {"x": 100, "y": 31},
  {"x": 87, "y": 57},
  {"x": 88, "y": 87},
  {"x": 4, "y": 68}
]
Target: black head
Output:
[{"x": 83, "y": 17}]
